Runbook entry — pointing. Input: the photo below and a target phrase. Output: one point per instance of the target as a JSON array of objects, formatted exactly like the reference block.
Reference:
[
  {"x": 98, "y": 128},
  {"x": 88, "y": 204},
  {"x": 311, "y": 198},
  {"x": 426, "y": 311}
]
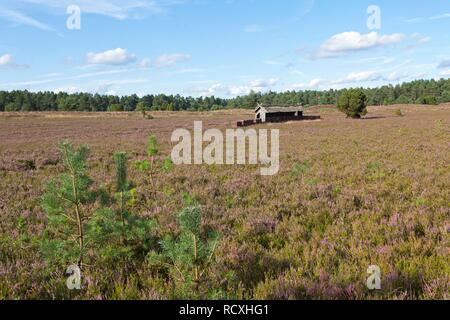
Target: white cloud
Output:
[
  {"x": 422, "y": 19},
  {"x": 354, "y": 41},
  {"x": 50, "y": 79},
  {"x": 108, "y": 87},
  {"x": 396, "y": 76},
  {"x": 168, "y": 60},
  {"x": 124, "y": 81},
  {"x": 296, "y": 72},
  {"x": 313, "y": 84},
  {"x": 379, "y": 60},
  {"x": 218, "y": 87},
  {"x": 239, "y": 90},
  {"x": 69, "y": 90},
  {"x": 111, "y": 92},
  {"x": 360, "y": 77},
  {"x": 351, "y": 78},
  {"x": 263, "y": 83},
  {"x": 117, "y": 9},
  {"x": 22, "y": 19},
  {"x": 258, "y": 85},
  {"x": 189, "y": 70},
  {"x": 27, "y": 83},
  {"x": 253, "y": 28},
  {"x": 98, "y": 73},
  {"x": 445, "y": 73},
  {"x": 444, "y": 64},
  {"x": 7, "y": 61},
  {"x": 52, "y": 75},
  {"x": 145, "y": 63},
  {"x": 440, "y": 16},
  {"x": 117, "y": 56},
  {"x": 273, "y": 63},
  {"x": 420, "y": 39},
  {"x": 111, "y": 87},
  {"x": 420, "y": 75}
]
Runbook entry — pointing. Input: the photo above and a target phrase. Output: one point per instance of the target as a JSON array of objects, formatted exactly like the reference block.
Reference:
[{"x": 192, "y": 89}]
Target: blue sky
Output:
[{"x": 220, "y": 47}]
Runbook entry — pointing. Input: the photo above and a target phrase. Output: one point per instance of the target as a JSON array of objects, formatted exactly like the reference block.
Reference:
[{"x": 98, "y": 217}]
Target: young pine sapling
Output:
[
  {"x": 152, "y": 152},
  {"x": 122, "y": 187},
  {"x": 189, "y": 256},
  {"x": 66, "y": 204},
  {"x": 116, "y": 231},
  {"x": 149, "y": 165}
]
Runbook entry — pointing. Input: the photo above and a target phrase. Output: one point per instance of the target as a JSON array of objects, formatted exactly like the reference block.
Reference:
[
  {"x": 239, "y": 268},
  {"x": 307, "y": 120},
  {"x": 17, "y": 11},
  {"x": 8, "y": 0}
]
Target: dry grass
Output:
[{"x": 350, "y": 193}]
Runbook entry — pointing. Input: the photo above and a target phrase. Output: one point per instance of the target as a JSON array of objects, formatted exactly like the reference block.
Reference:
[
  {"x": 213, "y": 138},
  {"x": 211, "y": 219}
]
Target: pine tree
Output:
[
  {"x": 189, "y": 256},
  {"x": 353, "y": 103},
  {"x": 117, "y": 233},
  {"x": 121, "y": 181},
  {"x": 108, "y": 229},
  {"x": 168, "y": 164},
  {"x": 66, "y": 205},
  {"x": 149, "y": 165}
]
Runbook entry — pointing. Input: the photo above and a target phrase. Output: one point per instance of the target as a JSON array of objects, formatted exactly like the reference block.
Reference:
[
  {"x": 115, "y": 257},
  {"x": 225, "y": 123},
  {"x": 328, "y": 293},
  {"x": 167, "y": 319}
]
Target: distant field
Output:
[{"x": 349, "y": 194}]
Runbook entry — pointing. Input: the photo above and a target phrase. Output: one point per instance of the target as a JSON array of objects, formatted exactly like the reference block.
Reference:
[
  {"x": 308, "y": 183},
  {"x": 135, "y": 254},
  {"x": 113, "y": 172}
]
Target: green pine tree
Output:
[
  {"x": 118, "y": 234},
  {"x": 189, "y": 256},
  {"x": 66, "y": 203},
  {"x": 121, "y": 182},
  {"x": 353, "y": 103}
]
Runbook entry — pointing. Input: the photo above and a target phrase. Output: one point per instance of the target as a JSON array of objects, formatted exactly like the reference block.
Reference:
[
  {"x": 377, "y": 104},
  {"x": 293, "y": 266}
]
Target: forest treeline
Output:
[{"x": 418, "y": 92}]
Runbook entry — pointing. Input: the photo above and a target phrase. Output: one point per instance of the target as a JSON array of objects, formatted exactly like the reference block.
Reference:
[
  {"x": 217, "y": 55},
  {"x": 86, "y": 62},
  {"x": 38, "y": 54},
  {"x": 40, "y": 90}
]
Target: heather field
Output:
[{"x": 349, "y": 194}]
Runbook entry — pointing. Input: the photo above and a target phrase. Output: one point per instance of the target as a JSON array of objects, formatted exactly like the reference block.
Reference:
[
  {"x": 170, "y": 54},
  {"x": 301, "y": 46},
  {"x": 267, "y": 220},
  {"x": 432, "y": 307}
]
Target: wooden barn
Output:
[{"x": 265, "y": 114}]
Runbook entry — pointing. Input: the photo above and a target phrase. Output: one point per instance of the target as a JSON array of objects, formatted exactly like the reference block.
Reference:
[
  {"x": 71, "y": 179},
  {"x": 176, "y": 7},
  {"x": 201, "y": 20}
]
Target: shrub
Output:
[
  {"x": 403, "y": 100},
  {"x": 149, "y": 165},
  {"x": 445, "y": 96},
  {"x": 111, "y": 231},
  {"x": 11, "y": 107},
  {"x": 353, "y": 103},
  {"x": 115, "y": 108},
  {"x": 143, "y": 108},
  {"x": 117, "y": 233},
  {"x": 189, "y": 256},
  {"x": 122, "y": 186},
  {"x": 168, "y": 164},
  {"x": 427, "y": 100},
  {"x": 66, "y": 204},
  {"x": 299, "y": 169}
]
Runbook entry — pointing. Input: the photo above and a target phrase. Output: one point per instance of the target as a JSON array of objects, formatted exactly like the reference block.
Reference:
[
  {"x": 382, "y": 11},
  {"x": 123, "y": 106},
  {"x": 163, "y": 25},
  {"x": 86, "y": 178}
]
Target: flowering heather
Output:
[{"x": 350, "y": 194}]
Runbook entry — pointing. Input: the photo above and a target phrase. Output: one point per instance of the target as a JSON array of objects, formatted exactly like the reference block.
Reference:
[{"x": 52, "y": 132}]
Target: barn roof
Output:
[{"x": 278, "y": 109}]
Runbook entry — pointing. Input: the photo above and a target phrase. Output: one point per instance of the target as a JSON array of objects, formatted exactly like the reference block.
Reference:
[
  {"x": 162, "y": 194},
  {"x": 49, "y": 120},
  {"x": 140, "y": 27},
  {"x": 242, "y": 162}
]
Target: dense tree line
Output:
[{"x": 419, "y": 92}]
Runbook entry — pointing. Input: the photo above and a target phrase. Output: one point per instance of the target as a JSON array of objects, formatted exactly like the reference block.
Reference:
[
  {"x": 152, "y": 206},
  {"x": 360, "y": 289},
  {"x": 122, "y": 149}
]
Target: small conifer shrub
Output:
[
  {"x": 66, "y": 203},
  {"x": 353, "y": 103},
  {"x": 189, "y": 256},
  {"x": 152, "y": 152},
  {"x": 118, "y": 233}
]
